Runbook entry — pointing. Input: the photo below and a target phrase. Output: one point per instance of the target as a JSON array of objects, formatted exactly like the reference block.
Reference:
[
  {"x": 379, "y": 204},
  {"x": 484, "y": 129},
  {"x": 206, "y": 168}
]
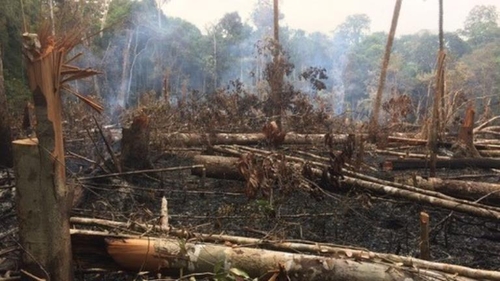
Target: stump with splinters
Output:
[{"x": 43, "y": 199}]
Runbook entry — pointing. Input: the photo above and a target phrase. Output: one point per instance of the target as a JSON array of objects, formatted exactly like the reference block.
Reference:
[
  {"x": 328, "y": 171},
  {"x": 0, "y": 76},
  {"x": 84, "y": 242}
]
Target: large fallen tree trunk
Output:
[
  {"x": 177, "y": 257},
  {"x": 442, "y": 200},
  {"x": 462, "y": 189},
  {"x": 217, "y": 167},
  {"x": 458, "y": 163},
  {"x": 194, "y": 139},
  {"x": 86, "y": 246}
]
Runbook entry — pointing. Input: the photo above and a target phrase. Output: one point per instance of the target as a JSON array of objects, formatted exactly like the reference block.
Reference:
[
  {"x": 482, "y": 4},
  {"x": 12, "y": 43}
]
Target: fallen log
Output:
[
  {"x": 303, "y": 247},
  {"x": 490, "y": 153},
  {"x": 462, "y": 189},
  {"x": 459, "y": 206},
  {"x": 175, "y": 256},
  {"x": 235, "y": 150},
  {"x": 217, "y": 167},
  {"x": 457, "y": 163},
  {"x": 195, "y": 139}
]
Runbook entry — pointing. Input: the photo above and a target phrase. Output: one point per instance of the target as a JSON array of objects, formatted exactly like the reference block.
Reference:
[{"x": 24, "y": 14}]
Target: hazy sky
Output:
[{"x": 325, "y": 15}]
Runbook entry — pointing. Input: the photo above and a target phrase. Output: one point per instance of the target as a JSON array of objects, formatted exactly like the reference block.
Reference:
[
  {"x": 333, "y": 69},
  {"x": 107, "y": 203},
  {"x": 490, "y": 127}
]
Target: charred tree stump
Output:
[{"x": 135, "y": 145}]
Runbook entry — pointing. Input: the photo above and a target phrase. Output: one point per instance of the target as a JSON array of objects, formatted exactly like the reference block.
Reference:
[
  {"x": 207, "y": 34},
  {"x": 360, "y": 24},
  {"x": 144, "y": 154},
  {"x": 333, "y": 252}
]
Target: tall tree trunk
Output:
[
  {"x": 373, "y": 128},
  {"x": 122, "y": 95},
  {"x": 438, "y": 96},
  {"x": 5, "y": 132},
  {"x": 52, "y": 22},
  {"x": 276, "y": 77}
]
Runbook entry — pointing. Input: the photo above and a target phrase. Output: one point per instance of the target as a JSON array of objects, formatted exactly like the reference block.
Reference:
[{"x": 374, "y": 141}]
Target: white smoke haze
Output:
[{"x": 139, "y": 55}]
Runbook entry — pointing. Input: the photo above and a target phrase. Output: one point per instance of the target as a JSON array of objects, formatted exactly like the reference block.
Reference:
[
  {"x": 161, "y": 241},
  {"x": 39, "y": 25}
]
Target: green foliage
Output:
[
  {"x": 354, "y": 29},
  {"x": 481, "y": 26},
  {"x": 361, "y": 71}
]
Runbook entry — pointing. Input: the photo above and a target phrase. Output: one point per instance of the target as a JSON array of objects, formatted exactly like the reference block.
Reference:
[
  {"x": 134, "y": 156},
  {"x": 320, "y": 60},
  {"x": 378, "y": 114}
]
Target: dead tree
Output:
[{"x": 438, "y": 95}]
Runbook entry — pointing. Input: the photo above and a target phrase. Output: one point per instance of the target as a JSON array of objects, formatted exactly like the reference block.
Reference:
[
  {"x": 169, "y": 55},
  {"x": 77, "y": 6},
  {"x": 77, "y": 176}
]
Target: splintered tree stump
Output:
[{"x": 135, "y": 145}]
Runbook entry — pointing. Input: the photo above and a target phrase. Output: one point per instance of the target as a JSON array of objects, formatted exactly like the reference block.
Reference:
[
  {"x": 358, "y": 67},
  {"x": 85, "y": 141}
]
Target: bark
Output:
[
  {"x": 174, "y": 256},
  {"x": 383, "y": 74},
  {"x": 195, "y": 139},
  {"x": 5, "y": 131},
  {"x": 458, "y": 163},
  {"x": 463, "y": 189}
]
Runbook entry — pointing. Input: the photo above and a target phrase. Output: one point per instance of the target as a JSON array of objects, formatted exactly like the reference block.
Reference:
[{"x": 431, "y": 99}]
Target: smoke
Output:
[{"x": 138, "y": 56}]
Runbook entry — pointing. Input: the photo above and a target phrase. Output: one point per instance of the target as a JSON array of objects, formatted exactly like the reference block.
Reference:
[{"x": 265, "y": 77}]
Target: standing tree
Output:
[
  {"x": 373, "y": 128},
  {"x": 278, "y": 71},
  {"x": 347, "y": 36},
  {"x": 438, "y": 96},
  {"x": 5, "y": 133}
]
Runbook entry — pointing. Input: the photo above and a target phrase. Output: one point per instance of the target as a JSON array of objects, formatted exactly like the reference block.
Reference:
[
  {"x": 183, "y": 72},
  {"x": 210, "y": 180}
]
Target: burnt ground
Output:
[
  {"x": 350, "y": 217},
  {"x": 347, "y": 216}
]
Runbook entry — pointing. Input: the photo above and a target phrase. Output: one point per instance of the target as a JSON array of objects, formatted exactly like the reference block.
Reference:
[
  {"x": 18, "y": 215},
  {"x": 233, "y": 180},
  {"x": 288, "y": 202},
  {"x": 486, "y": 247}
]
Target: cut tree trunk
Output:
[
  {"x": 5, "y": 132},
  {"x": 85, "y": 243},
  {"x": 462, "y": 189},
  {"x": 195, "y": 139},
  {"x": 217, "y": 167},
  {"x": 458, "y": 163},
  {"x": 402, "y": 191},
  {"x": 174, "y": 257}
]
